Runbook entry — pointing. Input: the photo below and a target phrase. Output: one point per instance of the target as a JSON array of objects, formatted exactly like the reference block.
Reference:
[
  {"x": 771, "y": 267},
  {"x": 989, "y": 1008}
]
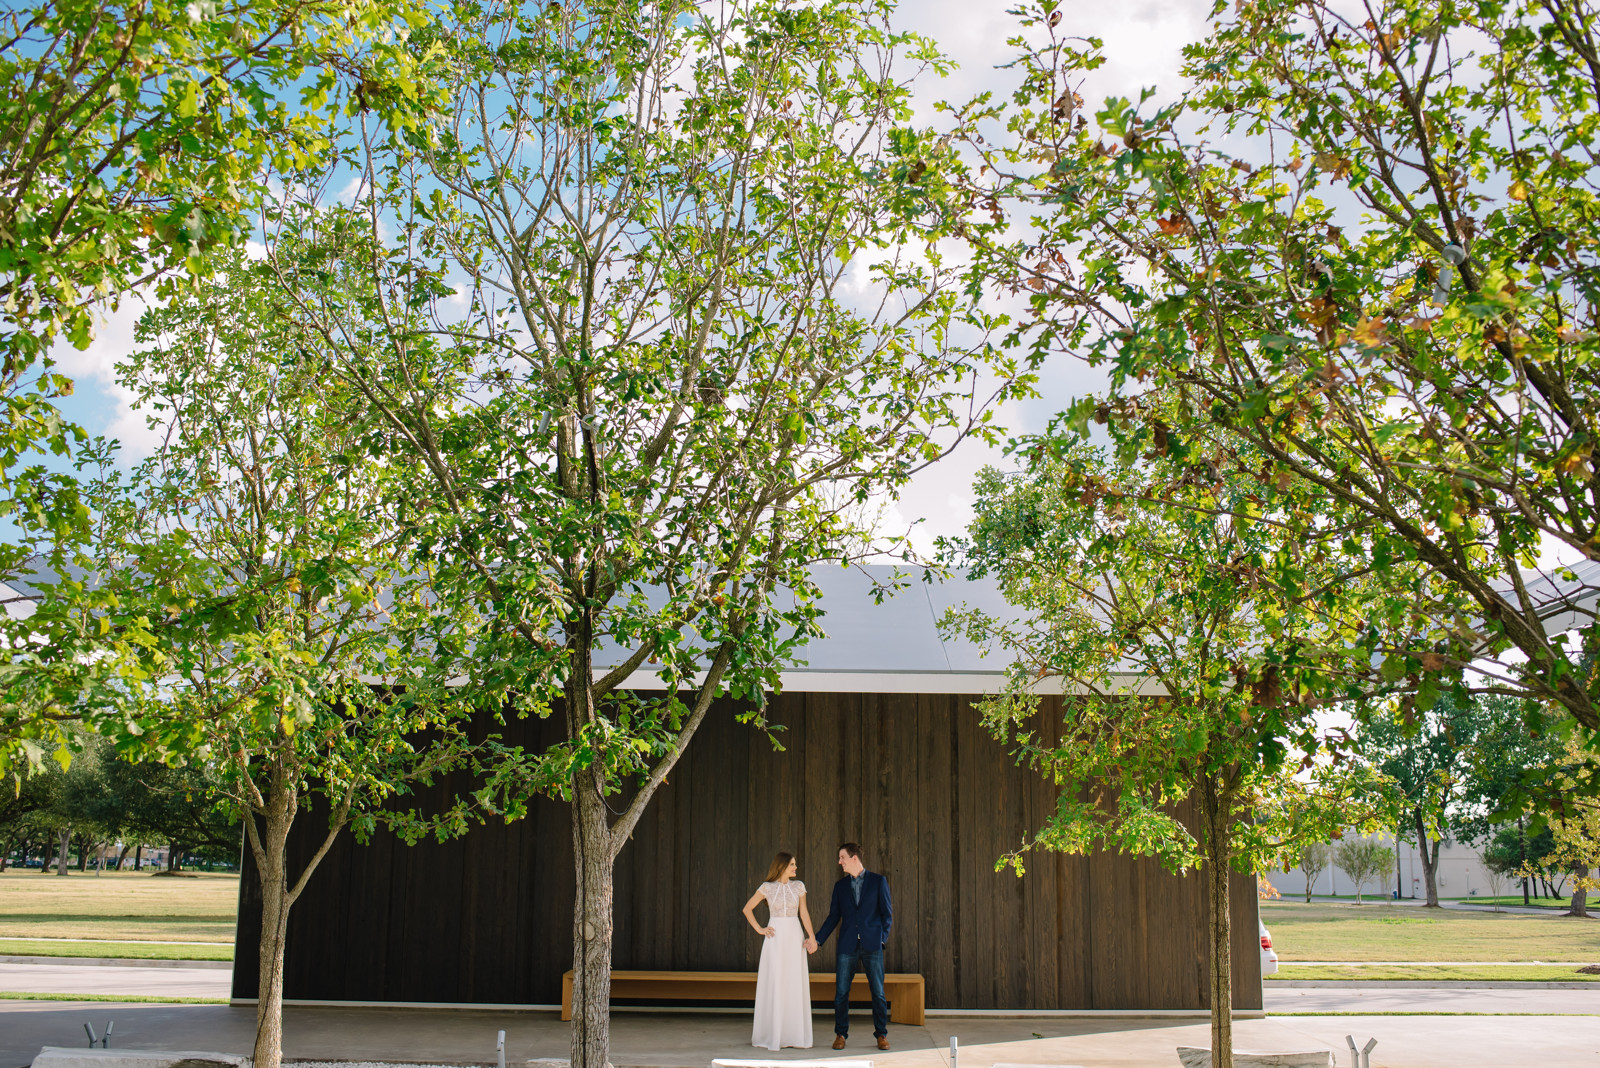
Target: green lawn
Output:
[
  {"x": 141, "y": 999},
  {"x": 1514, "y": 899},
  {"x": 119, "y": 905},
  {"x": 23, "y": 947},
  {"x": 1384, "y": 932},
  {"x": 1543, "y": 973}
]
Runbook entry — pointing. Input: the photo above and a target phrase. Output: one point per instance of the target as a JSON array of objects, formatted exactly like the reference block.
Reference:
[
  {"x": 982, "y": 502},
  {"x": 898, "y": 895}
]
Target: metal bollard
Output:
[
  {"x": 105, "y": 1043},
  {"x": 94, "y": 1039},
  {"x": 500, "y": 1050},
  {"x": 952, "y": 1051},
  {"x": 1366, "y": 1053}
]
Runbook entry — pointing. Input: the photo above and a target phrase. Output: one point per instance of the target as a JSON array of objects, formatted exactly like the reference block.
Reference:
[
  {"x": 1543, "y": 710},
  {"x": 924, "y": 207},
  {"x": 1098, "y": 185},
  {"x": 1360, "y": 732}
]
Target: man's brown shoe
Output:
[
  {"x": 883, "y": 1041},
  {"x": 838, "y": 1042}
]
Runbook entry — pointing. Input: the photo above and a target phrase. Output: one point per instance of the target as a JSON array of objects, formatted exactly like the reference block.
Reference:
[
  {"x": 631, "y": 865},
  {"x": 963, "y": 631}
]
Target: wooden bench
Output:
[{"x": 903, "y": 989}]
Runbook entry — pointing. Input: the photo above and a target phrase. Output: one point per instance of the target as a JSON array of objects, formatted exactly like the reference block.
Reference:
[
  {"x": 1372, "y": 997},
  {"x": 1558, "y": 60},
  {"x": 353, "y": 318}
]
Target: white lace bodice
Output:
[{"x": 783, "y": 899}]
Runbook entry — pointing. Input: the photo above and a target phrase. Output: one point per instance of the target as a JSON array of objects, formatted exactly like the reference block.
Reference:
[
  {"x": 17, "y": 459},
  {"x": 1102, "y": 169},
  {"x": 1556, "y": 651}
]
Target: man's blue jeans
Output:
[{"x": 871, "y": 962}]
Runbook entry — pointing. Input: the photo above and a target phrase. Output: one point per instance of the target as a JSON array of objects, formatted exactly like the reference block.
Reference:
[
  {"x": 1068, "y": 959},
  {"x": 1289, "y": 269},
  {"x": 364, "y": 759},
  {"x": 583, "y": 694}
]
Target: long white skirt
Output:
[{"x": 783, "y": 989}]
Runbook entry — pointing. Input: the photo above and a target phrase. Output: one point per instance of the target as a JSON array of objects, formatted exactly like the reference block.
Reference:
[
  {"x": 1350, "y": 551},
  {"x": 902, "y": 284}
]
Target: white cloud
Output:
[
  {"x": 1143, "y": 47},
  {"x": 1143, "y": 44},
  {"x": 103, "y": 405}
]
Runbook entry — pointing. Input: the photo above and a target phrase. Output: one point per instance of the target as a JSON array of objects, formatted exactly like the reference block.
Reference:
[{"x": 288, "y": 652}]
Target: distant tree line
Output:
[
  {"x": 103, "y": 810},
  {"x": 1462, "y": 771}
]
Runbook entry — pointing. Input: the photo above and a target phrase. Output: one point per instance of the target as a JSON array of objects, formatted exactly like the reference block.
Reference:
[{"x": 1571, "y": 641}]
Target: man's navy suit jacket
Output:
[{"x": 869, "y": 921}]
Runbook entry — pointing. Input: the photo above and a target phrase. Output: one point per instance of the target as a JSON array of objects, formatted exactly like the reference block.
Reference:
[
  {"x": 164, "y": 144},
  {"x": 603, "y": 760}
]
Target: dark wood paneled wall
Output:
[{"x": 915, "y": 779}]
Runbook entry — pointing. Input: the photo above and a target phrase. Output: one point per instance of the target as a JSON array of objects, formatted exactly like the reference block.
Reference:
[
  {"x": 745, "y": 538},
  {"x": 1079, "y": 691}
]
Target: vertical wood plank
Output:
[
  {"x": 933, "y": 799},
  {"x": 897, "y": 734},
  {"x": 976, "y": 980},
  {"x": 938, "y": 917},
  {"x": 823, "y": 743}
]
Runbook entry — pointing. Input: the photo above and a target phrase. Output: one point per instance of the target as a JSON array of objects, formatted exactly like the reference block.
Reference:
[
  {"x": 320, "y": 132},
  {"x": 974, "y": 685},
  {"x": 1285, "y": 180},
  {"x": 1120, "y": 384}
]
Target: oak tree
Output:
[
  {"x": 261, "y": 540},
  {"x": 1193, "y": 647},
  {"x": 1363, "y": 241},
  {"x": 666, "y": 278}
]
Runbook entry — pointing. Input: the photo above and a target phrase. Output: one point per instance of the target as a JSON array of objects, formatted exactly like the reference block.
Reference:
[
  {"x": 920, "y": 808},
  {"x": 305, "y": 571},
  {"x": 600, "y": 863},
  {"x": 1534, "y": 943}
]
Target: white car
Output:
[{"x": 1269, "y": 959}]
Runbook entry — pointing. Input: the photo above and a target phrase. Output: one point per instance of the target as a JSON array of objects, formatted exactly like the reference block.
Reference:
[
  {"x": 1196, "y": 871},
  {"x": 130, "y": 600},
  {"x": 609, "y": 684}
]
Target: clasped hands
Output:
[{"x": 772, "y": 932}]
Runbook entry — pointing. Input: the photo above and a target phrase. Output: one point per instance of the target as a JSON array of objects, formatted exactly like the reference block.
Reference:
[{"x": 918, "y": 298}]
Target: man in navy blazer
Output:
[{"x": 860, "y": 909}]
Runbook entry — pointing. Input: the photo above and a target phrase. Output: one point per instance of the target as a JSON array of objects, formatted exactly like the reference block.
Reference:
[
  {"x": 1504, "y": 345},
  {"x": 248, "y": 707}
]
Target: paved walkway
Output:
[
  {"x": 1414, "y": 997},
  {"x": 1531, "y": 1030},
  {"x": 1551, "y": 909},
  {"x": 691, "y": 1040},
  {"x": 72, "y": 976},
  {"x": 211, "y": 980}
]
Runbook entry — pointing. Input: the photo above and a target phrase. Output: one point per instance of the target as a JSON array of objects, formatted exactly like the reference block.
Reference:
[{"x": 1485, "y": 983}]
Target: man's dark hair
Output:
[{"x": 851, "y": 848}]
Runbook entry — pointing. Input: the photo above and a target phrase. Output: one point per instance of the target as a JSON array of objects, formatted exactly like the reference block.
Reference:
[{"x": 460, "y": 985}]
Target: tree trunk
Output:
[
  {"x": 138, "y": 856},
  {"x": 592, "y": 929},
  {"x": 1214, "y": 810},
  {"x": 1429, "y": 854},
  {"x": 1580, "y": 892},
  {"x": 269, "y": 838},
  {"x": 123, "y": 856},
  {"x": 1399, "y": 869},
  {"x": 267, "y": 835},
  {"x": 269, "y": 993},
  {"x": 1522, "y": 856},
  {"x": 174, "y": 851},
  {"x": 63, "y": 844}
]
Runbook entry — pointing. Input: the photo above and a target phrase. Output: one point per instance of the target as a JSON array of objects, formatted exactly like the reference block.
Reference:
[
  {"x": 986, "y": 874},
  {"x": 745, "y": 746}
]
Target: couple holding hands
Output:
[{"x": 860, "y": 910}]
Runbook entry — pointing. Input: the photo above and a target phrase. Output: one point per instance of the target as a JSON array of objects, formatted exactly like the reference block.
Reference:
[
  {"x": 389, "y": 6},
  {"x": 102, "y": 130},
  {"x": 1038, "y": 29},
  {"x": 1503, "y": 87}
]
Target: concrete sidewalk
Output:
[
  {"x": 691, "y": 1040},
  {"x": 1443, "y": 998},
  {"x": 205, "y": 979},
  {"x": 190, "y": 979}
]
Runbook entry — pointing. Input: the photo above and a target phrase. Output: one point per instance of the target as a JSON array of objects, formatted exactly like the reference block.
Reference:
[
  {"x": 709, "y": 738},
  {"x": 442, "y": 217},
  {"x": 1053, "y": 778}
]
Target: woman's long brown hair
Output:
[{"x": 780, "y": 864}]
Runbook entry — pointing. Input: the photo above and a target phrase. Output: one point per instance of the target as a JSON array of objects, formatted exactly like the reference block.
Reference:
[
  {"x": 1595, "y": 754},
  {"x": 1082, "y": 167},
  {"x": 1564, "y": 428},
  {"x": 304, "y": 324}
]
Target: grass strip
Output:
[
  {"x": 1382, "y": 932},
  {"x": 23, "y": 947},
  {"x": 129, "y": 999},
  {"x": 1275, "y": 1015},
  {"x": 1525, "y": 973}
]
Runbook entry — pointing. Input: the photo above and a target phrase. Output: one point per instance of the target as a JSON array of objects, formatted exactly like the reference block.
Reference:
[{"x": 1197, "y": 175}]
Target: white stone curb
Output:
[{"x": 64, "y": 1057}]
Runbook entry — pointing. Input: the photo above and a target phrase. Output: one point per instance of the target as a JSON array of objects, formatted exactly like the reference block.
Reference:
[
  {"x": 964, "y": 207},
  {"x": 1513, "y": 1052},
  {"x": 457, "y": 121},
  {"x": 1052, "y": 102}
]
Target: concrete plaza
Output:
[{"x": 692, "y": 1040}]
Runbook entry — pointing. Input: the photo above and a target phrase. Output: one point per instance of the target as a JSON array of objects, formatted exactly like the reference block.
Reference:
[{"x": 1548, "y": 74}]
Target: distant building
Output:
[{"x": 1461, "y": 874}]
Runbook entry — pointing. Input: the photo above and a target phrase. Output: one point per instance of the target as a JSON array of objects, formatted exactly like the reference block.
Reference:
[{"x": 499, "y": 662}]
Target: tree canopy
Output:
[
  {"x": 137, "y": 139},
  {"x": 1363, "y": 242}
]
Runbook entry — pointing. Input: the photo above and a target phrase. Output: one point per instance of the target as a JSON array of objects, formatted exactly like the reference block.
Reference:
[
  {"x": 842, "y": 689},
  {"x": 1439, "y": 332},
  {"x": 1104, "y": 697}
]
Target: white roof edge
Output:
[
  {"x": 928, "y": 682},
  {"x": 931, "y": 682}
]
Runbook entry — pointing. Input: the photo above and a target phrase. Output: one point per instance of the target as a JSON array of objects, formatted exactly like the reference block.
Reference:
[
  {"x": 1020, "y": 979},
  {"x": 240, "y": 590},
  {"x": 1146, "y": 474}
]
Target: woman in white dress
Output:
[{"x": 783, "y": 985}]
